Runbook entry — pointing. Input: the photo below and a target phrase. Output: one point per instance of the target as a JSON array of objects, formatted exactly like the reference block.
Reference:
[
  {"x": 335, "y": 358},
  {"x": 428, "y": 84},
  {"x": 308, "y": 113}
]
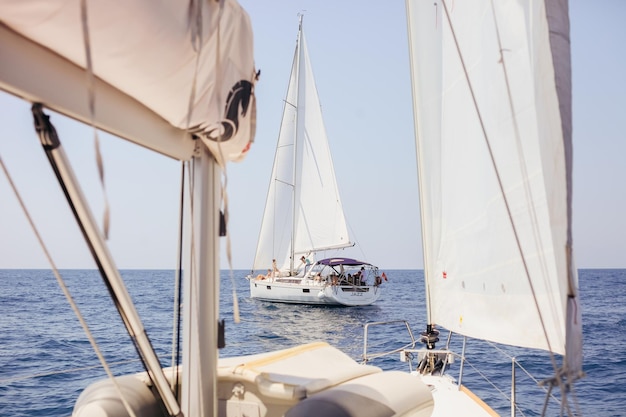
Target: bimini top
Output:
[{"x": 341, "y": 261}]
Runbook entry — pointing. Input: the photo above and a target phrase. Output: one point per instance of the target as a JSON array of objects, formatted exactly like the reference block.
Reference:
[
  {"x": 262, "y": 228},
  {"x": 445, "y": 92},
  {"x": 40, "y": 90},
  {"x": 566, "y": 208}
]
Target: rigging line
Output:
[
  {"x": 192, "y": 262},
  {"x": 500, "y": 185},
  {"x": 177, "y": 324},
  {"x": 92, "y": 115},
  {"x": 224, "y": 182},
  {"x": 520, "y": 366},
  {"x": 197, "y": 30},
  {"x": 96, "y": 244},
  {"x": 520, "y": 148},
  {"x": 67, "y": 293},
  {"x": 99, "y": 250},
  {"x": 518, "y": 142},
  {"x": 564, "y": 387},
  {"x": 479, "y": 372}
]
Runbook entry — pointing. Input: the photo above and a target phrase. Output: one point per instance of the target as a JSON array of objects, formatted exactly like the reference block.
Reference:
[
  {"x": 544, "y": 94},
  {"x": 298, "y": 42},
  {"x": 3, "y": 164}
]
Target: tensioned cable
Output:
[
  {"x": 164, "y": 395},
  {"x": 176, "y": 326},
  {"x": 520, "y": 366},
  {"x": 527, "y": 191},
  {"x": 196, "y": 42},
  {"x": 197, "y": 37},
  {"x": 192, "y": 255},
  {"x": 529, "y": 198},
  {"x": 224, "y": 183},
  {"x": 92, "y": 115},
  {"x": 66, "y": 291},
  {"x": 520, "y": 149}
]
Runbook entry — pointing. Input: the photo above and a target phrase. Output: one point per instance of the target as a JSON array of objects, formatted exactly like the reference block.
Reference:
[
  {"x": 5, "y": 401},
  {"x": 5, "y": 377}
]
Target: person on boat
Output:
[
  {"x": 379, "y": 279},
  {"x": 361, "y": 276},
  {"x": 306, "y": 262},
  {"x": 275, "y": 272}
]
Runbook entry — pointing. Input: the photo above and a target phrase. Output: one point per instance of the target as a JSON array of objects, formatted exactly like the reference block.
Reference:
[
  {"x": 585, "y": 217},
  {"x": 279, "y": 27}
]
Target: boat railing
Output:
[
  {"x": 416, "y": 358},
  {"x": 370, "y": 356}
]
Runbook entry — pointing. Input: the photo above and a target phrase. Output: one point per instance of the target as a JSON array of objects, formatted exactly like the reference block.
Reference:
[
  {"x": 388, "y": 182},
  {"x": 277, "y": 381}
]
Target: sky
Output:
[{"x": 359, "y": 55}]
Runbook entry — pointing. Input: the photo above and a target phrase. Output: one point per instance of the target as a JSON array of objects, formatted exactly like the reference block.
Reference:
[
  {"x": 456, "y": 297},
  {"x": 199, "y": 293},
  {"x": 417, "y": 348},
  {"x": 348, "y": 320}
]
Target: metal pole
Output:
[
  {"x": 513, "y": 387},
  {"x": 102, "y": 257},
  {"x": 462, "y": 361}
]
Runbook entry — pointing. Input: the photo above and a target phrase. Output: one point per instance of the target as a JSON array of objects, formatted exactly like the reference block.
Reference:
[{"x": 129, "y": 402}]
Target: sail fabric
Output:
[
  {"x": 494, "y": 272},
  {"x": 148, "y": 51},
  {"x": 303, "y": 212}
]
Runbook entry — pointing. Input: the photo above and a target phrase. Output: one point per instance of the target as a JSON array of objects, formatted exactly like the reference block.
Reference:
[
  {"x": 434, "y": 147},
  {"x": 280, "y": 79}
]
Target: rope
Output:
[
  {"x": 66, "y": 292},
  {"x": 92, "y": 114},
  {"x": 529, "y": 197},
  {"x": 518, "y": 142},
  {"x": 520, "y": 366},
  {"x": 176, "y": 325},
  {"x": 197, "y": 43},
  {"x": 224, "y": 184}
]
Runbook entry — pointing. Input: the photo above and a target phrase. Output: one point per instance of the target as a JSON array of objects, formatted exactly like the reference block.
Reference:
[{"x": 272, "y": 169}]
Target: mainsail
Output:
[
  {"x": 303, "y": 211},
  {"x": 492, "y": 102}
]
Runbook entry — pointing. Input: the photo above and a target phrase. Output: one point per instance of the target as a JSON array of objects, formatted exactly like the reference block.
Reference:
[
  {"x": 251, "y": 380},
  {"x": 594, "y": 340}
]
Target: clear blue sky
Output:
[{"x": 360, "y": 58}]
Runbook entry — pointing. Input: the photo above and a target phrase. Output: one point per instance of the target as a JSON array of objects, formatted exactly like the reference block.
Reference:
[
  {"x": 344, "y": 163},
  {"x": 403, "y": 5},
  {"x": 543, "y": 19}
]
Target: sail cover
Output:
[
  {"x": 151, "y": 59},
  {"x": 303, "y": 206},
  {"x": 492, "y": 103}
]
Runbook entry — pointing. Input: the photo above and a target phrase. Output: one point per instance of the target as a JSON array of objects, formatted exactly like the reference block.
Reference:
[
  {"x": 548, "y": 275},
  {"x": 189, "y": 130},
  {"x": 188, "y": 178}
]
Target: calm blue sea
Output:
[{"x": 46, "y": 360}]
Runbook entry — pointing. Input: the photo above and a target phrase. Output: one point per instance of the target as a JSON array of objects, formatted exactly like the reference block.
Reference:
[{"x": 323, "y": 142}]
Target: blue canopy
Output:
[{"x": 342, "y": 261}]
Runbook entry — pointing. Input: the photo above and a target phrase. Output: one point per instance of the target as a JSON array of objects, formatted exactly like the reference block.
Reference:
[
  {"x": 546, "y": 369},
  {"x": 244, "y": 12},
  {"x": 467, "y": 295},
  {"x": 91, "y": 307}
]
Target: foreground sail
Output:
[
  {"x": 303, "y": 212},
  {"x": 492, "y": 103}
]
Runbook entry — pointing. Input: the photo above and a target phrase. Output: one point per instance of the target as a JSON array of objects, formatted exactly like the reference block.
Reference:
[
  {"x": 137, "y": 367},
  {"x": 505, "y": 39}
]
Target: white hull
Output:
[
  {"x": 450, "y": 399},
  {"x": 307, "y": 291},
  {"x": 312, "y": 379},
  {"x": 303, "y": 380}
]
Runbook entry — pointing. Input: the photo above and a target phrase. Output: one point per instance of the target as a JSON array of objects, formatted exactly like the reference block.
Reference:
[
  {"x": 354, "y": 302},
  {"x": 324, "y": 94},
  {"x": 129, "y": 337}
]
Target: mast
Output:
[
  {"x": 295, "y": 149},
  {"x": 201, "y": 286}
]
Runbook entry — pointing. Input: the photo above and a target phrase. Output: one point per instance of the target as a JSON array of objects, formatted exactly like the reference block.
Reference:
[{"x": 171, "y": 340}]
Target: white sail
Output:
[
  {"x": 303, "y": 207},
  {"x": 494, "y": 153},
  {"x": 147, "y": 58}
]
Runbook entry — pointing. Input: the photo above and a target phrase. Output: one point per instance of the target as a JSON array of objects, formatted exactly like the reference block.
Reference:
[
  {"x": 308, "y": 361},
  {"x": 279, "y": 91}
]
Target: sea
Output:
[{"x": 46, "y": 360}]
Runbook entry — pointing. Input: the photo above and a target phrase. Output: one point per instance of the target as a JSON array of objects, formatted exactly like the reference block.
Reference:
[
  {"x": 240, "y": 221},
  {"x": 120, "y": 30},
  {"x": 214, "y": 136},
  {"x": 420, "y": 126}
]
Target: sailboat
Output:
[
  {"x": 303, "y": 213},
  {"x": 178, "y": 81},
  {"x": 474, "y": 284},
  {"x": 493, "y": 131}
]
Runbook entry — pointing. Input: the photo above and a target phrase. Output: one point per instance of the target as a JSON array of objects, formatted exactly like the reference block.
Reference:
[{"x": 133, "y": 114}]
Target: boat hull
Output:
[
  {"x": 311, "y": 379},
  {"x": 305, "y": 291}
]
